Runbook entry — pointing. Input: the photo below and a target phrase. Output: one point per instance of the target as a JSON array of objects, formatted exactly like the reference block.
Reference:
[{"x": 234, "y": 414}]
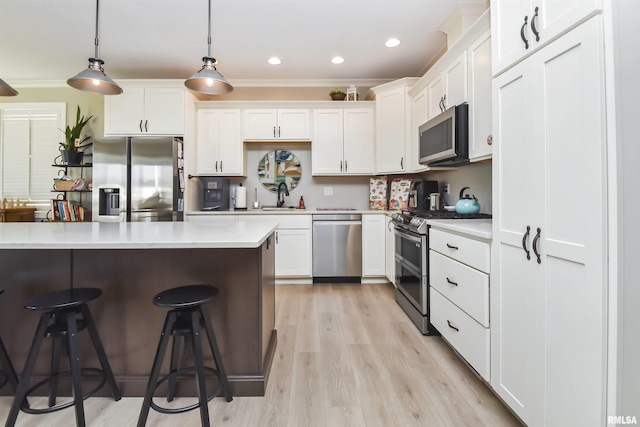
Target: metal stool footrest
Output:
[
  {"x": 103, "y": 380},
  {"x": 210, "y": 397}
]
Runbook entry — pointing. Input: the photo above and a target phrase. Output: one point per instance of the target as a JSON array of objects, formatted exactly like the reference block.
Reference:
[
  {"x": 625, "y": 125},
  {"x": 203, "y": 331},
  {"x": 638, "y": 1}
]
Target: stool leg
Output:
[
  {"x": 155, "y": 370},
  {"x": 197, "y": 354},
  {"x": 55, "y": 370},
  {"x": 215, "y": 351},
  {"x": 102, "y": 356},
  {"x": 175, "y": 357},
  {"x": 74, "y": 363},
  {"x": 6, "y": 365},
  {"x": 23, "y": 385}
]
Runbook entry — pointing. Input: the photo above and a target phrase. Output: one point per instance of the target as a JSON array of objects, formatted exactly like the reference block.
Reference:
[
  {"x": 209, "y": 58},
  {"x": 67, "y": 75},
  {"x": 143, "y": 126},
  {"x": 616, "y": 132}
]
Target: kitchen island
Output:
[{"x": 131, "y": 262}]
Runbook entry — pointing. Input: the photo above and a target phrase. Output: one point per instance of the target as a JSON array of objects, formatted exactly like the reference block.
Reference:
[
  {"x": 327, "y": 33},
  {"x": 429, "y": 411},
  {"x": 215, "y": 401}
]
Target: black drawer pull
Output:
[
  {"x": 451, "y": 283},
  {"x": 524, "y": 242},
  {"x": 524, "y": 39},
  {"x": 533, "y": 24},
  {"x": 452, "y": 327},
  {"x": 535, "y": 245},
  {"x": 452, "y": 247}
]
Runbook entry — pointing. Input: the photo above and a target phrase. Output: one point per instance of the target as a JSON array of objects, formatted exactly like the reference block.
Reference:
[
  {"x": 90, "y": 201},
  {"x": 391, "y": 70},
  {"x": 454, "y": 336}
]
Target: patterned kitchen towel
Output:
[
  {"x": 378, "y": 193},
  {"x": 399, "y": 199}
]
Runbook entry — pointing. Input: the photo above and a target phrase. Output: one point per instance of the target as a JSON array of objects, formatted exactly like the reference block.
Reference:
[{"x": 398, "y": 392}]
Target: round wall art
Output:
[{"x": 279, "y": 166}]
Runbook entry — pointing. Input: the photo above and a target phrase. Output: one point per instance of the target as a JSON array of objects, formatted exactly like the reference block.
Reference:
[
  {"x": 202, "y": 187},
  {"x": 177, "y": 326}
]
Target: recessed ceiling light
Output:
[
  {"x": 274, "y": 61},
  {"x": 392, "y": 43},
  {"x": 337, "y": 60}
]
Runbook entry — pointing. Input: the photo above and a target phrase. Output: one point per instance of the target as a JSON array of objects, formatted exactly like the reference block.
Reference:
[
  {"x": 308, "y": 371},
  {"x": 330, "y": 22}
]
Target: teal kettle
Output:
[{"x": 467, "y": 204}]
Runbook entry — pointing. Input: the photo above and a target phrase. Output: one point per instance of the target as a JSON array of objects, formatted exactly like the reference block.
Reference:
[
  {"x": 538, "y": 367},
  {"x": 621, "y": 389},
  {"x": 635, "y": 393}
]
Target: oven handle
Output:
[{"x": 405, "y": 235}]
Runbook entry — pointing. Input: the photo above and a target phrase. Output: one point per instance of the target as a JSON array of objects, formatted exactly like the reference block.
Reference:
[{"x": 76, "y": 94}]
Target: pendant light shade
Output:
[
  {"x": 93, "y": 79},
  {"x": 6, "y": 90},
  {"x": 208, "y": 80}
]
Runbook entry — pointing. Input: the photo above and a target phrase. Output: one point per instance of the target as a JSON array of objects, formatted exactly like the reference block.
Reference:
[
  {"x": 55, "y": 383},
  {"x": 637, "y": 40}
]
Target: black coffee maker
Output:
[
  {"x": 215, "y": 193},
  {"x": 419, "y": 195}
]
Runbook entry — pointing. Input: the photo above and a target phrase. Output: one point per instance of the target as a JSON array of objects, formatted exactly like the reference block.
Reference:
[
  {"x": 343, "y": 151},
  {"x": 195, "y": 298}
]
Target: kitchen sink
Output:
[{"x": 278, "y": 208}]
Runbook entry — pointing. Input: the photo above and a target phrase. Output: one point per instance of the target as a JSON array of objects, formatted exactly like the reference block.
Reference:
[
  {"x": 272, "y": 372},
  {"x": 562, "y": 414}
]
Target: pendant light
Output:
[
  {"x": 208, "y": 80},
  {"x": 6, "y": 90},
  {"x": 93, "y": 79}
]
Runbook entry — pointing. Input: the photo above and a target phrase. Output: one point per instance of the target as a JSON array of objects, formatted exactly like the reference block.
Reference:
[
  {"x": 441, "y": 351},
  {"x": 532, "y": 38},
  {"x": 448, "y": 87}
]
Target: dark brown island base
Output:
[{"x": 131, "y": 263}]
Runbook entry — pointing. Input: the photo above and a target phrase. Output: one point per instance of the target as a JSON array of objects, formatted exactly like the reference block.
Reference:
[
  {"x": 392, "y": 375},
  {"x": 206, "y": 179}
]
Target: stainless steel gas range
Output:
[{"x": 412, "y": 262}]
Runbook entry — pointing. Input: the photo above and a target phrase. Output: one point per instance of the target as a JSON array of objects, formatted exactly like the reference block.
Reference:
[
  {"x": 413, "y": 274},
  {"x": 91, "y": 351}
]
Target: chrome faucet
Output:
[{"x": 280, "y": 197}]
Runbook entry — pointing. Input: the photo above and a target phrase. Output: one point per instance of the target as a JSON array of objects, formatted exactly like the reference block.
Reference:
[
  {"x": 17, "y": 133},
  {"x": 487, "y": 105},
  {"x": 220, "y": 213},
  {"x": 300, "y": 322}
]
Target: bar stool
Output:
[
  {"x": 63, "y": 308},
  {"x": 6, "y": 368},
  {"x": 186, "y": 320}
]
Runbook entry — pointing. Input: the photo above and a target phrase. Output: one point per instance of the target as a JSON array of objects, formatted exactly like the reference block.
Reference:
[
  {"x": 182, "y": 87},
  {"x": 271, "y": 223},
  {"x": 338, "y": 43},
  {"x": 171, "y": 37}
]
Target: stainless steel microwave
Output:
[{"x": 444, "y": 140}]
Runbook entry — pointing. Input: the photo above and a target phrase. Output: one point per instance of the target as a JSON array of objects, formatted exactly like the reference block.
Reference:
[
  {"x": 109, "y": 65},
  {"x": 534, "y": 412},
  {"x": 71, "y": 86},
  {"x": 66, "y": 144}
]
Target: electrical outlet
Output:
[
  {"x": 446, "y": 189},
  {"x": 328, "y": 191}
]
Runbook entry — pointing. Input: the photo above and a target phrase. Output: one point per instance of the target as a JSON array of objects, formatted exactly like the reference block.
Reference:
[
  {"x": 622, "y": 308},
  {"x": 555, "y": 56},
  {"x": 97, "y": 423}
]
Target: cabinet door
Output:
[
  {"x": 328, "y": 141},
  {"x": 124, "y": 113},
  {"x": 231, "y": 148},
  {"x": 455, "y": 78},
  {"x": 508, "y": 27},
  {"x": 480, "y": 135},
  {"x": 436, "y": 96},
  {"x": 260, "y": 125},
  {"x": 390, "y": 250},
  {"x": 555, "y": 17},
  {"x": 293, "y": 124},
  {"x": 373, "y": 245},
  {"x": 391, "y": 131},
  {"x": 293, "y": 253},
  {"x": 164, "y": 111},
  {"x": 359, "y": 141},
  {"x": 207, "y": 142}
]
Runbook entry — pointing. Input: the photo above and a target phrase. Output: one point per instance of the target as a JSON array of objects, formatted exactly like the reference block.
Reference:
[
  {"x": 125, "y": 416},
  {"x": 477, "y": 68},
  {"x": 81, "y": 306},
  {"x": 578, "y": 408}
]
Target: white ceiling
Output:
[{"x": 166, "y": 39}]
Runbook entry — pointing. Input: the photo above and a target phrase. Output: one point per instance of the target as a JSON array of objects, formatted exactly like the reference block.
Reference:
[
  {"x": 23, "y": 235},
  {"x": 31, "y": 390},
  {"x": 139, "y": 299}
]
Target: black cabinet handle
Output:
[
  {"x": 452, "y": 247},
  {"x": 276, "y": 237},
  {"x": 221, "y": 166},
  {"x": 340, "y": 165},
  {"x": 146, "y": 128},
  {"x": 278, "y": 131},
  {"x": 533, "y": 24},
  {"x": 535, "y": 245},
  {"x": 444, "y": 103},
  {"x": 345, "y": 166},
  {"x": 451, "y": 326},
  {"x": 140, "y": 125},
  {"x": 401, "y": 162},
  {"x": 524, "y": 39},
  {"x": 524, "y": 242},
  {"x": 216, "y": 166},
  {"x": 451, "y": 283},
  {"x": 274, "y": 131}
]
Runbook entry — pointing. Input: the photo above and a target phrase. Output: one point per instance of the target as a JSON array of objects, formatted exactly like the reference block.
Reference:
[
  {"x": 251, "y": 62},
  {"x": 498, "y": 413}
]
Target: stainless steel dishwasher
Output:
[{"x": 337, "y": 248}]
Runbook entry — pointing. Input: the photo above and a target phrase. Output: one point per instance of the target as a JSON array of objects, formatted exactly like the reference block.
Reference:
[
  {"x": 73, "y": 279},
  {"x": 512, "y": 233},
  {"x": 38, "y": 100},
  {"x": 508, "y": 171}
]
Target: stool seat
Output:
[
  {"x": 185, "y": 296},
  {"x": 63, "y": 299}
]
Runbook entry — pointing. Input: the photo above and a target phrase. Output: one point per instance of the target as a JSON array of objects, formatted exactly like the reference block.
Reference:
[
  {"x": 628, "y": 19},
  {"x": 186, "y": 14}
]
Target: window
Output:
[{"x": 29, "y": 143}]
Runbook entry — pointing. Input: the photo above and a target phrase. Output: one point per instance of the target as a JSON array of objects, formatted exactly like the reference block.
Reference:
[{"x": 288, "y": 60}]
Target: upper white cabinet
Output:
[
  {"x": 393, "y": 125},
  {"x": 480, "y": 134},
  {"x": 219, "y": 146},
  {"x": 343, "y": 141},
  {"x": 449, "y": 88},
  {"x": 276, "y": 124},
  {"x": 548, "y": 276},
  {"x": 521, "y": 26},
  {"x": 145, "y": 111},
  {"x": 373, "y": 245}
]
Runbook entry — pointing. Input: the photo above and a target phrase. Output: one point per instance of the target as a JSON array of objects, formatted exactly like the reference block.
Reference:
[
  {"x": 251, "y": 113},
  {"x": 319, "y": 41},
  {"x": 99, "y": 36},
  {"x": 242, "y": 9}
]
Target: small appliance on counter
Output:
[
  {"x": 215, "y": 193},
  {"x": 419, "y": 195},
  {"x": 467, "y": 204}
]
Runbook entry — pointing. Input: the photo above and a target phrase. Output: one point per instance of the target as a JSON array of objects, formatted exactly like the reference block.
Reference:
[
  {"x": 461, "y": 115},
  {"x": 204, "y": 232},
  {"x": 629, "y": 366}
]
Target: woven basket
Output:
[{"x": 60, "y": 185}]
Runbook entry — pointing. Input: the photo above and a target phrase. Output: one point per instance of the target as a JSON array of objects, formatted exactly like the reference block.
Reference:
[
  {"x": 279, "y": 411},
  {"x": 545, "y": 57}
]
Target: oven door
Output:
[{"x": 411, "y": 268}]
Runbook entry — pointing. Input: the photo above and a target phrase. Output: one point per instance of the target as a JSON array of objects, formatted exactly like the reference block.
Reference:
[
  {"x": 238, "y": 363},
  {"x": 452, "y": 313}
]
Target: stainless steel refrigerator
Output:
[{"x": 138, "y": 179}]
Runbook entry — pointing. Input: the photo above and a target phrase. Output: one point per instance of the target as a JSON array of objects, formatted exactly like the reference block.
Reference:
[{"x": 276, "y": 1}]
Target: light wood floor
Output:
[{"x": 347, "y": 356}]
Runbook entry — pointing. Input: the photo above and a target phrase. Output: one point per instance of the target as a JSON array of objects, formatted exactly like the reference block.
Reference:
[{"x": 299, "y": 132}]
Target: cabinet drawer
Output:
[
  {"x": 464, "y": 286},
  {"x": 468, "y": 251},
  {"x": 465, "y": 335}
]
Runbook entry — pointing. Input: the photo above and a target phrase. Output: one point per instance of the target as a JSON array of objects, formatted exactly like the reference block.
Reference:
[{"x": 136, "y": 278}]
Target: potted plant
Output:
[
  {"x": 337, "y": 94},
  {"x": 72, "y": 147}
]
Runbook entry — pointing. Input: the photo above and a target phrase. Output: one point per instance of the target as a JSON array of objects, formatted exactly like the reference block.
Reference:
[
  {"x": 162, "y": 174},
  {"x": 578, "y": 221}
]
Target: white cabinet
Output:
[
  {"x": 343, "y": 141},
  {"x": 373, "y": 245},
  {"x": 420, "y": 115},
  {"x": 276, "y": 124},
  {"x": 145, "y": 111},
  {"x": 449, "y": 88},
  {"x": 480, "y": 135},
  {"x": 393, "y": 126},
  {"x": 522, "y": 26},
  {"x": 219, "y": 146},
  {"x": 293, "y": 252},
  {"x": 459, "y": 278},
  {"x": 390, "y": 250},
  {"x": 548, "y": 287}
]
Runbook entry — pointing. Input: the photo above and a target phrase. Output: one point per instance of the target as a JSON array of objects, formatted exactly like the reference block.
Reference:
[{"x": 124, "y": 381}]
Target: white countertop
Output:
[
  {"x": 481, "y": 228},
  {"x": 287, "y": 212},
  {"x": 133, "y": 235}
]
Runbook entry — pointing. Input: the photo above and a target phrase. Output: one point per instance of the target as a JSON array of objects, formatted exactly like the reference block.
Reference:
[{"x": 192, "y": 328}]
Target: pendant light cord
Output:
[
  {"x": 209, "y": 38},
  {"x": 96, "y": 39}
]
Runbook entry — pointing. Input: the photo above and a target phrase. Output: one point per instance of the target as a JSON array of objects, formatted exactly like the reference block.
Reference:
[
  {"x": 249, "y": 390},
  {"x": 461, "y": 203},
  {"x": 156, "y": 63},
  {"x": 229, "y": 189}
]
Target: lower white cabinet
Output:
[
  {"x": 293, "y": 252},
  {"x": 373, "y": 245},
  {"x": 459, "y": 295},
  {"x": 390, "y": 250}
]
